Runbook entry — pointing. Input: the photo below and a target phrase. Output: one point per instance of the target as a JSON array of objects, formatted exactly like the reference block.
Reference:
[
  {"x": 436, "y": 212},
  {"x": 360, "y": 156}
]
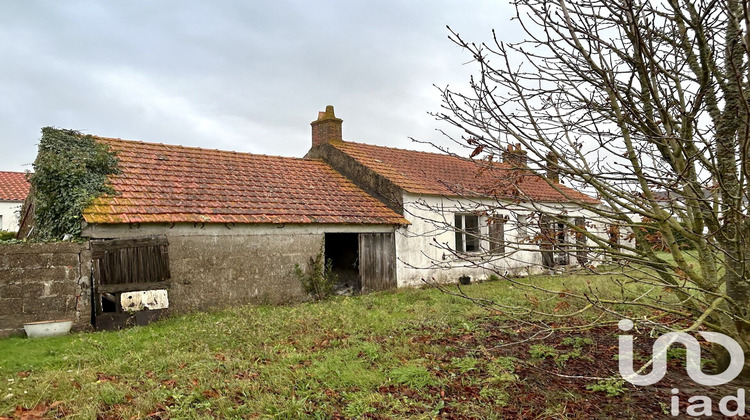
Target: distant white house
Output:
[{"x": 13, "y": 191}]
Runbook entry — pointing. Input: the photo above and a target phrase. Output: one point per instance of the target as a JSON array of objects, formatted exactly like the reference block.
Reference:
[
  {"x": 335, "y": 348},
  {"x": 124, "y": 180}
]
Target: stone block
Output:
[
  {"x": 13, "y": 290},
  {"x": 10, "y": 307}
]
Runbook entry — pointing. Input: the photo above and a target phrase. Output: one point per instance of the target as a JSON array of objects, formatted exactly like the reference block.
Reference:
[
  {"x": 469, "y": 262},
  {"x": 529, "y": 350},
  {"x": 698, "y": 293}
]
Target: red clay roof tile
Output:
[
  {"x": 446, "y": 175},
  {"x": 13, "y": 186},
  {"x": 166, "y": 183}
]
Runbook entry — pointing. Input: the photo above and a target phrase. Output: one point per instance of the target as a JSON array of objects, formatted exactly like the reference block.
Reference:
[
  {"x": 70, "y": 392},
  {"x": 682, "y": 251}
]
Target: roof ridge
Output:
[
  {"x": 413, "y": 151},
  {"x": 201, "y": 149}
]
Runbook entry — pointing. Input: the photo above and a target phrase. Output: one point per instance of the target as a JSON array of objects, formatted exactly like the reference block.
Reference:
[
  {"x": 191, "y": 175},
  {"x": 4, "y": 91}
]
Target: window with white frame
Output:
[{"x": 467, "y": 232}]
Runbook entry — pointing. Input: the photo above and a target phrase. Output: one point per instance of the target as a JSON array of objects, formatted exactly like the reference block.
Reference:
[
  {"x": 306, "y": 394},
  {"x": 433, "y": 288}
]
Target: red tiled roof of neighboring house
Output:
[
  {"x": 165, "y": 183},
  {"x": 13, "y": 186},
  {"x": 443, "y": 174}
]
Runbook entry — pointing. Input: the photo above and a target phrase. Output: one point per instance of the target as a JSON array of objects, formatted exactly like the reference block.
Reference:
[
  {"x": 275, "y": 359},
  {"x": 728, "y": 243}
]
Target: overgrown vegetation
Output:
[
  {"x": 404, "y": 354},
  {"x": 319, "y": 278},
  {"x": 70, "y": 170},
  {"x": 6, "y": 235}
]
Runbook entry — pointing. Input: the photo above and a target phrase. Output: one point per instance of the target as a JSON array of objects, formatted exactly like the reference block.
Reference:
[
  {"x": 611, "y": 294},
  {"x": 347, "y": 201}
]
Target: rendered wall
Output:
[
  {"x": 9, "y": 213},
  {"x": 424, "y": 247}
]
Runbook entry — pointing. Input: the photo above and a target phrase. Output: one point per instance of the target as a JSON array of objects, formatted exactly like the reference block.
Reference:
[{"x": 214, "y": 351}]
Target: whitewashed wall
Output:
[
  {"x": 424, "y": 248},
  {"x": 9, "y": 211}
]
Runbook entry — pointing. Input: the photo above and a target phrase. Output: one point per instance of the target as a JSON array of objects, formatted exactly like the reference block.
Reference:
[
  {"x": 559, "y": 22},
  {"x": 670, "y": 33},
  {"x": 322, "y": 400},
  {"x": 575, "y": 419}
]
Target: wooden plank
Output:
[
  {"x": 110, "y": 244},
  {"x": 132, "y": 287},
  {"x": 377, "y": 261}
]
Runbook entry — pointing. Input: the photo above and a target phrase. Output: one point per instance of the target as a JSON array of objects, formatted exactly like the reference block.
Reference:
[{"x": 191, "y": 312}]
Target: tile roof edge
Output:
[
  {"x": 443, "y": 154},
  {"x": 197, "y": 148}
]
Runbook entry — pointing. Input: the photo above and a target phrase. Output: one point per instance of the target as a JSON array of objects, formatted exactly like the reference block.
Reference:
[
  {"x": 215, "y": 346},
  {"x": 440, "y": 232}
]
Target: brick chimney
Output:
[
  {"x": 553, "y": 168},
  {"x": 327, "y": 128},
  {"x": 515, "y": 156}
]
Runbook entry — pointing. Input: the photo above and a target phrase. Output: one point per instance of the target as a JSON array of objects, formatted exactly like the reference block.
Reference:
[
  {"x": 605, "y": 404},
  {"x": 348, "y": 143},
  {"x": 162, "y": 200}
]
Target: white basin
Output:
[{"x": 47, "y": 328}]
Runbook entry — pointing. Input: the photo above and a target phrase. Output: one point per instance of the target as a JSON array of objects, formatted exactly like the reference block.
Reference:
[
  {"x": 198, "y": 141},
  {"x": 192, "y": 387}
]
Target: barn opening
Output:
[
  {"x": 343, "y": 251},
  {"x": 363, "y": 262}
]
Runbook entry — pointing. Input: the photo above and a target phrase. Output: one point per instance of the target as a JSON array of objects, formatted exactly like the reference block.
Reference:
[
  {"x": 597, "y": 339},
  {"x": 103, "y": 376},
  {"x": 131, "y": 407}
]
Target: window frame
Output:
[{"x": 465, "y": 235}]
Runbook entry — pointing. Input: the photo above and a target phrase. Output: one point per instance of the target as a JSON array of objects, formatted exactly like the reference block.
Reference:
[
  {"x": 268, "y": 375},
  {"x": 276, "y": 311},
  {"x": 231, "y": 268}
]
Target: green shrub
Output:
[
  {"x": 319, "y": 277},
  {"x": 70, "y": 170},
  {"x": 7, "y": 235}
]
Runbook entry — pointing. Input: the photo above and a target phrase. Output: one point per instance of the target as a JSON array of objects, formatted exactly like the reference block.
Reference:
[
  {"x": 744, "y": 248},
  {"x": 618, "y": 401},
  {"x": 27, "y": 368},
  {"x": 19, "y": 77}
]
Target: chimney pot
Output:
[{"x": 327, "y": 128}]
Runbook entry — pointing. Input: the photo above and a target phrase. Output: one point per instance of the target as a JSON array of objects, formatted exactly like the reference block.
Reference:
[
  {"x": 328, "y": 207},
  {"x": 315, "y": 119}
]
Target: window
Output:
[
  {"x": 581, "y": 251},
  {"x": 497, "y": 234},
  {"x": 467, "y": 233},
  {"x": 554, "y": 243}
]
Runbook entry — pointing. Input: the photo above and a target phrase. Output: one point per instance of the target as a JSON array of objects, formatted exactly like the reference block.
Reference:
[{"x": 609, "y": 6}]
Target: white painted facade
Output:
[
  {"x": 426, "y": 249},
  {"x": 9, "y": 213}
]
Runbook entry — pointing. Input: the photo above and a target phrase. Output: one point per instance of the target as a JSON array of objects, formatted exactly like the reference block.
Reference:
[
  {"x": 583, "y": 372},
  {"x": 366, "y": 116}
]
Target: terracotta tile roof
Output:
[
  {"x": 442, "y": 174},
  {"x": 164, "y": 183},
  {"x": 13, "y": 186}
]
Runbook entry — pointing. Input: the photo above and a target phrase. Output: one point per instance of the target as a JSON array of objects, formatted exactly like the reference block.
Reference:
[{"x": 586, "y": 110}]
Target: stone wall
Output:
[
  {"x": 212, "y": 266},
  {"x": 216, "y": 265},
  {"x": 213, "y": 271},
  {"x": 42, "y": 282}
]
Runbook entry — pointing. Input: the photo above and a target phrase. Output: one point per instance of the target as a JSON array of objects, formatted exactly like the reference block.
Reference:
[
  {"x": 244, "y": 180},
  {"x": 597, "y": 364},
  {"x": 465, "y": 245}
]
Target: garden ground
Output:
[{"x": 402, "y": 354}]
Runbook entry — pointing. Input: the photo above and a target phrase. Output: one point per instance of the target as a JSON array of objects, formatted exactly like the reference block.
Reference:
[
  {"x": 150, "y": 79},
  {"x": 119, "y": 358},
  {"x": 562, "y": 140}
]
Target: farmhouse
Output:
[
  {"x": 190, "y": 228},
  {"x": 466, "y": 217}
]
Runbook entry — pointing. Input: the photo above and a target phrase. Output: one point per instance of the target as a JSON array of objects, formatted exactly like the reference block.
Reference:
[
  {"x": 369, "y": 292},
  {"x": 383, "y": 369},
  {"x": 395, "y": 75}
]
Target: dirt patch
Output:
[{"x": 556, "y": 371}]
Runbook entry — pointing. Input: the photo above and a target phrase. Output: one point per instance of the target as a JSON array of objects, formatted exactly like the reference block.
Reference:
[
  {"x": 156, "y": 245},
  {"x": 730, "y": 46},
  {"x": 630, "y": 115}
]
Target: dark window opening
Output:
[
  {"x": 467, "y": 232},
  {"x": 342, "y": 249},
  {"x": 554, "y": 243},
  {"x": 109, "y": 302}
]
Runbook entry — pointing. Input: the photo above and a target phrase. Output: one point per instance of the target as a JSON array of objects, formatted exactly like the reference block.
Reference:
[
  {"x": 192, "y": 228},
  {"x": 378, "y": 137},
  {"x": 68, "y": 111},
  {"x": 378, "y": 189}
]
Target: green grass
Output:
[{"x": 344, "y": 356}]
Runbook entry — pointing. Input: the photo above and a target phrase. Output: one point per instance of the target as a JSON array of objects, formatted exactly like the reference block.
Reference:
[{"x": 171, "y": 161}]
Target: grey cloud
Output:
[{"x": 239, "y": 75}]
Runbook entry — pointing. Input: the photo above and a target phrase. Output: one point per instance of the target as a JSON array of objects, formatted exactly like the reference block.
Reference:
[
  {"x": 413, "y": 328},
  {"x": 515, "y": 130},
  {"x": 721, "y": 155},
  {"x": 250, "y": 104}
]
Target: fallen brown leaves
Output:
[{"x": 37, "y": 413}]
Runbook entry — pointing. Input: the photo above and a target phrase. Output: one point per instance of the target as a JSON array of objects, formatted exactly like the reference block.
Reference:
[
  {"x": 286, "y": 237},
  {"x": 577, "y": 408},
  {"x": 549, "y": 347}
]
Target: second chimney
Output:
[
  {"x": 327, "y": 128},
  {"x": 515, "y": 156}
]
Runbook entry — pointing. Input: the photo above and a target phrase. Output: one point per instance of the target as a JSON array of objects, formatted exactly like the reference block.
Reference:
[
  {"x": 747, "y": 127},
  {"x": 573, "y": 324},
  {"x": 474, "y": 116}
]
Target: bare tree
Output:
[{"x": 644, "y": 105}]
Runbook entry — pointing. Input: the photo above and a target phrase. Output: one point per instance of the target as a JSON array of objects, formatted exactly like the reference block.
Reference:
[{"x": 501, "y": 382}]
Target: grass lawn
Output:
[{"x": 402, "y": 354}]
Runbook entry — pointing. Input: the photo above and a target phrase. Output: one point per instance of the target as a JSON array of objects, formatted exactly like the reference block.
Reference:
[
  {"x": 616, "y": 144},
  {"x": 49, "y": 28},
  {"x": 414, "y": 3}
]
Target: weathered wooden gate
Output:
[
  {"x": 126, "y": 265},
  {"x": 377, "y": 261}
]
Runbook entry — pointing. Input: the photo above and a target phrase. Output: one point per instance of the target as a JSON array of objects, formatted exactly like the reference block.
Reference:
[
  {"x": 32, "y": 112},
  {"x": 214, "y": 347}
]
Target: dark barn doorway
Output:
[
  {"x": 343, "y": 251},
  {"x": 363, "y": 262}
]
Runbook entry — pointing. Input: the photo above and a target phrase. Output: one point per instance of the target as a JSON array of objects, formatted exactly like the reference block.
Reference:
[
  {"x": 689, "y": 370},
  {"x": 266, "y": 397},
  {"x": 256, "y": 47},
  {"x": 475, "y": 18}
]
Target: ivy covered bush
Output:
[{"x": 70, "y": 170}]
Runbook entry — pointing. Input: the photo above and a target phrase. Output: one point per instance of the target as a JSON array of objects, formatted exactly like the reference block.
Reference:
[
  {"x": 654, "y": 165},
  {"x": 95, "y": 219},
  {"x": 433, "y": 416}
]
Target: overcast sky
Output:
[{"x": 247, "y": 76}]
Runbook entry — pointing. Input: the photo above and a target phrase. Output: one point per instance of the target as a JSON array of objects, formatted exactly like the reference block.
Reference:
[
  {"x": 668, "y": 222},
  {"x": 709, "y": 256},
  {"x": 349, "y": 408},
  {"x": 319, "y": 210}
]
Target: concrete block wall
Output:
[
  {"x": 42, "y": 282},
  {"x": 214, "y": 271}
]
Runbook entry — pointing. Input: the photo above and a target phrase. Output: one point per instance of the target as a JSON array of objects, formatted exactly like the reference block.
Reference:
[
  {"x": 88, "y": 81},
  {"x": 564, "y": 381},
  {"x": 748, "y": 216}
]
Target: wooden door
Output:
[
  {"x": 377, "y": 261},
  {"x": 127, "y": 265}
]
